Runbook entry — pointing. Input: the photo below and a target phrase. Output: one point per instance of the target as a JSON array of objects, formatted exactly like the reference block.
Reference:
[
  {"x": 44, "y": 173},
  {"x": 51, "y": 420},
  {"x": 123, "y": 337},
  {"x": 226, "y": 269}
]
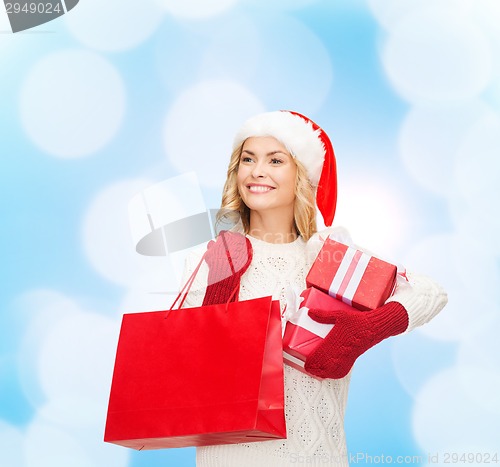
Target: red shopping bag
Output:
[{"x": 198, "y": 376}]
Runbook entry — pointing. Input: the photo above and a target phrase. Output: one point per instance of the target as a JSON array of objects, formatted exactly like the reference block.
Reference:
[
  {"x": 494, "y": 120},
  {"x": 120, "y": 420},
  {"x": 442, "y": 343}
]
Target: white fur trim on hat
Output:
[{"x": 296, "y": 134}]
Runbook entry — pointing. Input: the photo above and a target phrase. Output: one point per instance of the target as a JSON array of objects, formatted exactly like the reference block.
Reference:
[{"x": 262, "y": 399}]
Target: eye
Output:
[
  {"x": 276, "y": 161},
  {"x": 246, "y": 159}
]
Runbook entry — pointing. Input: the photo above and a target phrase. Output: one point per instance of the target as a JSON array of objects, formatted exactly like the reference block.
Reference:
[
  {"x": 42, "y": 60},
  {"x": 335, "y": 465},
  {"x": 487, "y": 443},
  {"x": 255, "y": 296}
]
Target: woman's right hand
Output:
[{"x": 228, "y": 257}]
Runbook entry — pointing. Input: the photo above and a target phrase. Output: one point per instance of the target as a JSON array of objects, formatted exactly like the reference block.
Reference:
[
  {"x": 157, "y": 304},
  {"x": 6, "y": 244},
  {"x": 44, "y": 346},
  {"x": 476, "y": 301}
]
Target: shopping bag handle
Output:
[
  {"x": 187, "y": 286},
  {"x": 233, "y": 293}
]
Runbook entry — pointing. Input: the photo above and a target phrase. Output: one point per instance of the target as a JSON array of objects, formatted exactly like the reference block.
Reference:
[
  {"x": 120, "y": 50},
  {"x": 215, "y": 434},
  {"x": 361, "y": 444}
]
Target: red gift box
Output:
[
  {"x": 303, "y": 334},
  {"x": 352, "y": 276}
]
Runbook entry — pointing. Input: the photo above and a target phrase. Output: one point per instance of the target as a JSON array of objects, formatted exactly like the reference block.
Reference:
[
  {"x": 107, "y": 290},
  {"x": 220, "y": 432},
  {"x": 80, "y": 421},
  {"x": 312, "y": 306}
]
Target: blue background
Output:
[{"x": 111, "y": 99}]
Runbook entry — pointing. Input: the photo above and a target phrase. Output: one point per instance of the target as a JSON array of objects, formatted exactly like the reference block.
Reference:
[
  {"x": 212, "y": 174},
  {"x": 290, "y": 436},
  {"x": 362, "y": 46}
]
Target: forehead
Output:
[{"x": 264, "y": 144}]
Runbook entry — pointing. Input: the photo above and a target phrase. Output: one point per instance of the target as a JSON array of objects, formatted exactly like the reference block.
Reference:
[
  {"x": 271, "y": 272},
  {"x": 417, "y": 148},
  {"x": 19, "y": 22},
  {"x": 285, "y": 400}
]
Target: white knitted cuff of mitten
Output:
[{"x": 422, "y": 298}]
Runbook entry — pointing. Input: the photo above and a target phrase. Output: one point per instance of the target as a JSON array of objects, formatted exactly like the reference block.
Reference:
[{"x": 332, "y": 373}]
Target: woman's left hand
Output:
[{"x": 354, "y": 332}]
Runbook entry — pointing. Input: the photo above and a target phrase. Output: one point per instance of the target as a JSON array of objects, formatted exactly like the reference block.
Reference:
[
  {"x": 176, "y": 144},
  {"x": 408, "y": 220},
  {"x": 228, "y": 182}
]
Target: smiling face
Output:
[{"x": 266, "y": 176}]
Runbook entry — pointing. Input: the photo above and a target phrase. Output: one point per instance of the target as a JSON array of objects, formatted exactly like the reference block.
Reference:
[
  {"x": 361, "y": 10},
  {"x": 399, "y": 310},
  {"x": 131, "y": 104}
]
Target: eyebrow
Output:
[{"x": 272, "y": 153}]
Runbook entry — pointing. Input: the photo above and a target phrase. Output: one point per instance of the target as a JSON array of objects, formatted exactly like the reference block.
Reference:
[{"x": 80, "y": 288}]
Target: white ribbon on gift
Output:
[
  {"x": 346, "y": 280},
  {"x": 299, "y": 315},
  {"x": 402, "y": 281},
  {"x": 350, "y": 273}
]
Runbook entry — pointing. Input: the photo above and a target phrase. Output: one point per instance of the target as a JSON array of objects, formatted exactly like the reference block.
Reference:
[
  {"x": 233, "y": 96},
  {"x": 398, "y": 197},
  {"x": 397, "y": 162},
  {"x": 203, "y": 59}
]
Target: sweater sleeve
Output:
[
  {"x": 198, "y": 287},
  {"x": 422, "y": 298}
]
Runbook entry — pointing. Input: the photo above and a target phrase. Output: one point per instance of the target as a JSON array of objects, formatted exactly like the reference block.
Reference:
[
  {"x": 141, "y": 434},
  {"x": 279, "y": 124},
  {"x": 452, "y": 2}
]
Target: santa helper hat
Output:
[
  {"x": 306, "y": 142},
  {"x": 229, "y": 257}
]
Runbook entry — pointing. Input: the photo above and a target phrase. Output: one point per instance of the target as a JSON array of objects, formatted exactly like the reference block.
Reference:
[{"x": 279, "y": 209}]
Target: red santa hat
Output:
[{"x": 305, "y": 141}]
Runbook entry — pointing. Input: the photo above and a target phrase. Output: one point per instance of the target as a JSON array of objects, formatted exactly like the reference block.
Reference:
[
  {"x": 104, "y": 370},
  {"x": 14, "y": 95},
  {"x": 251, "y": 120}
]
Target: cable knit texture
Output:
[
  {"x": 314, "y": 409},
  {"x": 353, "y": 334},
  {"x": 227, "y": 259}
]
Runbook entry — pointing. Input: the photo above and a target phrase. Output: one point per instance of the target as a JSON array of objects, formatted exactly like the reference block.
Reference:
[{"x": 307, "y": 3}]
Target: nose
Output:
[{"x": 259, "y": 169}]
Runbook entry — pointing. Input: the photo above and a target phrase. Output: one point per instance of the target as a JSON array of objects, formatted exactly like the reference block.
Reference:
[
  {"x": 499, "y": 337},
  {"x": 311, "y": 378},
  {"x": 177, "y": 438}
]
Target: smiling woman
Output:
[
  {"x": 296, "y": 152},
  {"x": 282, "y": 166}
]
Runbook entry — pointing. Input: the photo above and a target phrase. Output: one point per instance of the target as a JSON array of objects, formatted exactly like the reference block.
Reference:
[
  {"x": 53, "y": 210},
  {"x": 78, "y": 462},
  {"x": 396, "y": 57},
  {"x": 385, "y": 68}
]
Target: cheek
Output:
[
  {"x": 240, "y": 179},
  {"x": 240, "y": 176},
  {"x": 291, "y": 181}
]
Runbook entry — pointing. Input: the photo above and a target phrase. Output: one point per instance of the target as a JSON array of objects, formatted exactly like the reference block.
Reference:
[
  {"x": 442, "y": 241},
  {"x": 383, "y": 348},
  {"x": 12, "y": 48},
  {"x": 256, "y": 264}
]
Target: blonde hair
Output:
[{"x": 304, "y": 209}]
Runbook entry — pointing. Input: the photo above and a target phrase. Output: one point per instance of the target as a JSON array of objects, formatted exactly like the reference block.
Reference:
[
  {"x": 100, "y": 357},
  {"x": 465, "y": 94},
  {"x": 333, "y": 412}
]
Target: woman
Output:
[{"x": 282, "y": 167}]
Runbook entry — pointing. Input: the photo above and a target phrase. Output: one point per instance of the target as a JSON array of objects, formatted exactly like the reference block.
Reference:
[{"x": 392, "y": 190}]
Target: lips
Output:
[{"x": 259, "y": 188}]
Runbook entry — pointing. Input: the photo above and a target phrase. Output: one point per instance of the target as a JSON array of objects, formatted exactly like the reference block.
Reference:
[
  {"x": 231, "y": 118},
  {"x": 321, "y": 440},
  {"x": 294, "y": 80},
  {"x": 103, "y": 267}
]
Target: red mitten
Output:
[
  {"x": 354, "y": 332},
  {"x": 228, "y": 258}
]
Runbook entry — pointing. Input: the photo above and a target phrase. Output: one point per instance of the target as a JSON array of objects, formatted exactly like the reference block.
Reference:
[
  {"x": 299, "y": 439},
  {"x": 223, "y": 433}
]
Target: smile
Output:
[{"x": 259, "y": 188}]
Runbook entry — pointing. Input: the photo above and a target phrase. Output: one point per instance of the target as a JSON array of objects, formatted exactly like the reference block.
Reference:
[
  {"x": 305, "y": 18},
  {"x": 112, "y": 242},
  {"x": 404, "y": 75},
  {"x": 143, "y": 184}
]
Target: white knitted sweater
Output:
[{"x": 314, "y": 409}]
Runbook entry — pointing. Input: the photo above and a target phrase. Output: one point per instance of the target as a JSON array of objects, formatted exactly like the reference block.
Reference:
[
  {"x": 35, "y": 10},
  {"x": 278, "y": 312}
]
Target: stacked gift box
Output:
[{"x": 341, "y": 278}]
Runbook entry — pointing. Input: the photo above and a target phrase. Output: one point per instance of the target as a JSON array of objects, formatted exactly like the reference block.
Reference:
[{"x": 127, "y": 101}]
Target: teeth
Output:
[{"x": 259, "y": 189}]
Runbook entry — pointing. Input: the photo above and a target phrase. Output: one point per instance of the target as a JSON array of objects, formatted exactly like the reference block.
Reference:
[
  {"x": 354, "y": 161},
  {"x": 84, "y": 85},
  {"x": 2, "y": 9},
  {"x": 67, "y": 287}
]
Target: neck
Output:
[{"x": 272, "y": 228}]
